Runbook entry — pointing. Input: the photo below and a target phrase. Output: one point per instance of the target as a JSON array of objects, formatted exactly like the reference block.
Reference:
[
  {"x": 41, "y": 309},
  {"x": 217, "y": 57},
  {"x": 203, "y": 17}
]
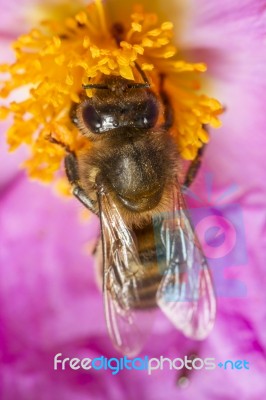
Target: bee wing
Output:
[
  {"x": 186, "y": 293},
  {"x": 122, "y": 274}
]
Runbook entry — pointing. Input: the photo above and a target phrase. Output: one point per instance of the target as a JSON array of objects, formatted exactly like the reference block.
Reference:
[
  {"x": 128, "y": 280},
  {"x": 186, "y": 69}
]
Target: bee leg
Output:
[
  {"x": 72, "y": 173},
  {"x": 168, "y": 109},
  {"x": 193, "y": 168},
  {"x": 71, "y": 167}
]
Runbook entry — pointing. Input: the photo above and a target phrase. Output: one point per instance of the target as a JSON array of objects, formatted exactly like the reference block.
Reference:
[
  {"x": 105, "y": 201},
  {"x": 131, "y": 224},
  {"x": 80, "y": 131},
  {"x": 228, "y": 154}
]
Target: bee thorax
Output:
[{"x": 136, "y": 182}]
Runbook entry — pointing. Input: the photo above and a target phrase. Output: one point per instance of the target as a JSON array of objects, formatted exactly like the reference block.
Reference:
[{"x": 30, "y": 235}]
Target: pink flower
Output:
[{"x": 49, "y": 301}]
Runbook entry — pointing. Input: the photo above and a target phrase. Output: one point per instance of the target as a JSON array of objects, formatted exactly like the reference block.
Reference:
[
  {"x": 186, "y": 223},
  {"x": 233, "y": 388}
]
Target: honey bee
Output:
[{"x": 129, "y": 178}]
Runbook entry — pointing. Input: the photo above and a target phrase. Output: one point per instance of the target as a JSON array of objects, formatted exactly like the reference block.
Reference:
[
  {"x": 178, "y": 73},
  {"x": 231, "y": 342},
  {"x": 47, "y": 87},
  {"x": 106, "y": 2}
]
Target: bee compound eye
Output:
[
  {"x": 145, "y": 121},
  {"x": 148, "y": 115},
  {"x": 151, "y": 113},
  {"x": 73, "y": 114},
  {"x": 91, "y": 118}
]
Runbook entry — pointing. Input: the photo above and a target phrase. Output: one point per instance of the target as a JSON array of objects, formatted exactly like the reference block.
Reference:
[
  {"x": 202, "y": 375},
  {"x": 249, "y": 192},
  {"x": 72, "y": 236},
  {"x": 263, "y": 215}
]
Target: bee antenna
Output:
[
  {"x": 143, "y": 75},
  {"x": 95, "y": 86},
  {"x": 138, "y": 85}
]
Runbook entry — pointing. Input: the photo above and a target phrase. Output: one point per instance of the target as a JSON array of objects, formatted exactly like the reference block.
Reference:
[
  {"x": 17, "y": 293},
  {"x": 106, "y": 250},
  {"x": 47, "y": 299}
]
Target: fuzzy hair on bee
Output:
[
  {"x": 129, "y": 177},
  {"x": 136, "y": 160}
]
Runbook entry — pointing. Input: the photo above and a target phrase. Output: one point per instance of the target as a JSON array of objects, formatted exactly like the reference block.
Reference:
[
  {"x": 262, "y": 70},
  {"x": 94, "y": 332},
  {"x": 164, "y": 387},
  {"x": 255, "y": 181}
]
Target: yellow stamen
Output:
[
  {"x": 53, "y": 62},
  {"x": 100, "y": 9}
]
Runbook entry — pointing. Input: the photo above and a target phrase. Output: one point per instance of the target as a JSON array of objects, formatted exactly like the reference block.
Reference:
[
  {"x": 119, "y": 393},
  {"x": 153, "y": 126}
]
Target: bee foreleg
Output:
[
  {"x": 168, "y": 109},
  {"x": 83, "y": 198},
  {"x": 193, "y": 168},
  {"x": 72, "y": 172}
]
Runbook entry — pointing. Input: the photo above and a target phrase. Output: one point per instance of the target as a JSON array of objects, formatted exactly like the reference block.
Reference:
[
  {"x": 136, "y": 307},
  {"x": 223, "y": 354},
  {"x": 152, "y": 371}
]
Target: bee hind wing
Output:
[{"x": 186, "y": 293}]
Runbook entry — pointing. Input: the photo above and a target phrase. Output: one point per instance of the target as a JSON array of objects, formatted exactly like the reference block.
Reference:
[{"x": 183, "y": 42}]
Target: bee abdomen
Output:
[{"x": 149, "y": 283}]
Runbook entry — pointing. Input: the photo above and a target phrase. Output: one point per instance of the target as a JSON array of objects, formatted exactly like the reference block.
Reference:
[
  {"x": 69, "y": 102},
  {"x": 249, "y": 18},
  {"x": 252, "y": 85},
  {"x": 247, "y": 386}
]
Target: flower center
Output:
[{"x": 54, "y": 60}]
